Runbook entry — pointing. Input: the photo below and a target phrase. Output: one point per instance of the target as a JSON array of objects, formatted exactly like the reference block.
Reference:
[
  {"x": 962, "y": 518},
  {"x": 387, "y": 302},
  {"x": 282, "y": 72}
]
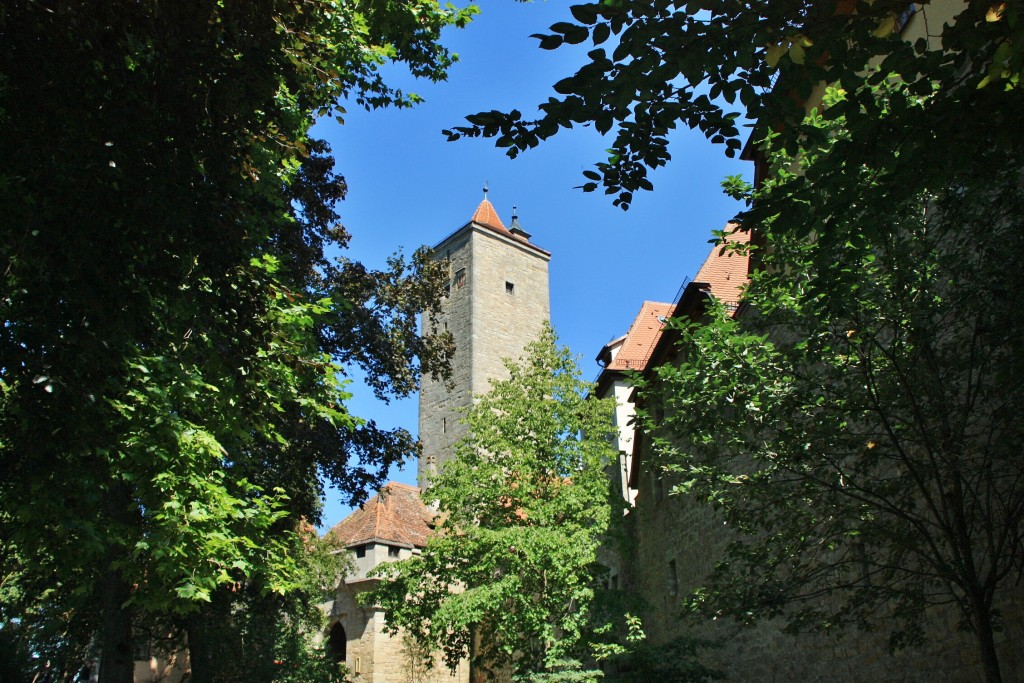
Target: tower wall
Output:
[{"x": 498, "y": 302}]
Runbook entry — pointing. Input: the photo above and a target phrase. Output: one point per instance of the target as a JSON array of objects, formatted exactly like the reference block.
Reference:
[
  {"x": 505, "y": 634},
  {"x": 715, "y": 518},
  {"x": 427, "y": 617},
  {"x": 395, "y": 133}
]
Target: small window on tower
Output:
[
  {"x": 393, "y": 551},
  {"x": 510, "y": 288},
  {"x": 360, "y": 551},
  {"x": 444, "y": 425},
  {"x": 460, "y": 278}
]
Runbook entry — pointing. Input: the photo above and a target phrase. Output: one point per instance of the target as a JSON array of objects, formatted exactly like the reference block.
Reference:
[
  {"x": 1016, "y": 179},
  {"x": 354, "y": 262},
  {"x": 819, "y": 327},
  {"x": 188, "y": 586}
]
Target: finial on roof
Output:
[
  {"x": 485, "y": 189},
  {"x": 515, "y": 228}
]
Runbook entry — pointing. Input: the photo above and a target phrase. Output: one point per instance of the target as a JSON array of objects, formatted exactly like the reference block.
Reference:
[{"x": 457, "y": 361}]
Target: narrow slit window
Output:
[{"x": 510, "y": 287}]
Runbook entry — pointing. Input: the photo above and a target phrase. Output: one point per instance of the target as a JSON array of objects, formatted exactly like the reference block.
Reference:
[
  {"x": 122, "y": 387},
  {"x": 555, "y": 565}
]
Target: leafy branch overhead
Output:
[{"x": 656, "y": 65}]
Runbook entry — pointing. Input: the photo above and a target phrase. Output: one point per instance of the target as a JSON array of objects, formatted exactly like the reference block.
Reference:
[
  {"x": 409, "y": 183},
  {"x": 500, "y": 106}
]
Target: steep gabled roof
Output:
[
  {"x": 725, "y": 270},
  {"x": 635, "y": 348},
  {"x": 395, "y": 516}
]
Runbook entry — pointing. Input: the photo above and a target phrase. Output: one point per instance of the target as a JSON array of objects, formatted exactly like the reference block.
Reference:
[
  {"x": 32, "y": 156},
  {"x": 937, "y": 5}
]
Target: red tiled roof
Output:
[
  {"x": 642, "y": 336},
  {"x": 396, "y": 515},
  {"x": 724, "y": 269},
  {"x": 486, "y": 215}
]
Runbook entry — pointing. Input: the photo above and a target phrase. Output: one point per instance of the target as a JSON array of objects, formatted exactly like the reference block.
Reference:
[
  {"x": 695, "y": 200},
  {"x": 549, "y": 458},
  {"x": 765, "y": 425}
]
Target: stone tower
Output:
[{"x": 497, "y": 302}]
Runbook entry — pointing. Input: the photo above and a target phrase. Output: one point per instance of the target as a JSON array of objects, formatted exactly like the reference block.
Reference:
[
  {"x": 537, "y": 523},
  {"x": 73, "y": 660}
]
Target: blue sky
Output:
[{"x": 408, "y": 187}]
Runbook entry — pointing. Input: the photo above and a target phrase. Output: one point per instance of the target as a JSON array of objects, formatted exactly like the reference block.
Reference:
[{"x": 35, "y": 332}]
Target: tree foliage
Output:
[
  {"x": 252, "y": 636},
  {"x": 523, "y": 507},
  {"x": 857, "y": 427},
  {"x": 656, "y": 65},
  {"x": 175, "y": 335}
]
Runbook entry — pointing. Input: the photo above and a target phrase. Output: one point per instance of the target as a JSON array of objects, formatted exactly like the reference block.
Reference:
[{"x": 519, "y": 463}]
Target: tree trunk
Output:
[
  {"x": 200, "y": 656},
  {"x": 986, "y": 640},
  {"x": 117, "y": 648},
  {"x": 117, "y": 663}
]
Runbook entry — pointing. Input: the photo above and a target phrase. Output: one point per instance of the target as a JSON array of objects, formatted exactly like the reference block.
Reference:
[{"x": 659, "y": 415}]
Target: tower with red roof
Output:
[{"x": 497, "y": 302}]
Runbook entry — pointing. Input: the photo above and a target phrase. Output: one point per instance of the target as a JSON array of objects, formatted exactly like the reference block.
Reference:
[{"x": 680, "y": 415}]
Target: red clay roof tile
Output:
[
  {"x": 725, "y": 270},
  {"x": 396, "y": 515},
  {"x": 642, "y": 336},
  {"x": 486, "y": 215}
]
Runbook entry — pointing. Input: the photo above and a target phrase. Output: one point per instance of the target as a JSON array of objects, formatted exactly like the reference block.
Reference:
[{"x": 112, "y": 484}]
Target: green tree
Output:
[
  {"x": 260, "y": 637},
  {"x": 523, "y": 508},
  {"x": 857, "y": 427},
  {"x": 657, "y": 65},
  {"x": 175, "y": 338},
  {"x": 869, "y": 395}
]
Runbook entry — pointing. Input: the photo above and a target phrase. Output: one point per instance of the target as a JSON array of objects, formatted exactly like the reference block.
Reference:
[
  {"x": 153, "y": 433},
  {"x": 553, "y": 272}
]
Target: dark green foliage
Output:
[
  {"x": 656, "y": 65},
  {"x": 173, "y": 335},
  {"x": 858, "y": 427},
  {"x": 251, "y": 636}
]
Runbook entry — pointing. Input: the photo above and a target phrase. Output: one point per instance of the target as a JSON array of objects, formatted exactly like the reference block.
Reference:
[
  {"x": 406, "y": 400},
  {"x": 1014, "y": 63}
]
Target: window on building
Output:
[
  {"x": 510, "y": 288},
  {"x": 337, "y": 643},
  {"x": 444, "y": 425},
  {"x": 393, "y": 551},
  {"x": 360, "y": 550},
  {"x": 673, "y": 578},
  {"x": 460, "y": 278},
  {"x": 357, "y": 665}
]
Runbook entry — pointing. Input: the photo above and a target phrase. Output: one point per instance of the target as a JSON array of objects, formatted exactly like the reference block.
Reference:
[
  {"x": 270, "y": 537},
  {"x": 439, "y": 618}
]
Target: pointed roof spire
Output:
[
  {"x": 486, "y": 215},
  {"x": 515, "y": 228}
]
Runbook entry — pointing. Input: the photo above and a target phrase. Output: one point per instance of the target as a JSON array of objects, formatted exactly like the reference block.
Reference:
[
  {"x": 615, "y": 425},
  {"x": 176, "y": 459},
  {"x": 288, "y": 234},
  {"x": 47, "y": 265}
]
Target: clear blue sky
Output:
[{"x": 408, "y": 187}]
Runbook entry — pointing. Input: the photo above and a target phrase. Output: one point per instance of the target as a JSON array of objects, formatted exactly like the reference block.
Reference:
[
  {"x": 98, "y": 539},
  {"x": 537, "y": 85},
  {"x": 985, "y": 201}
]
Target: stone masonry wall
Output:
[
  {"x": 488, "y": 323},
  {"x": 676, "y": 529},
  {"x": 504, "y": 322},
  {"x": 373, "y": 656},
  {"x": 440, "y": 410}
]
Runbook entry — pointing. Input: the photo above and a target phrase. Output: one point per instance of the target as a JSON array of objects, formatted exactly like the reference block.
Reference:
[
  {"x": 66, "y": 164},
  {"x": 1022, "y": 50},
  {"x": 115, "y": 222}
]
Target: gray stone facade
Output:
[
  {"x": 498, "y": 301},
  {"x": 374, "y": 656},
  {"x": 677, "y": 540}
]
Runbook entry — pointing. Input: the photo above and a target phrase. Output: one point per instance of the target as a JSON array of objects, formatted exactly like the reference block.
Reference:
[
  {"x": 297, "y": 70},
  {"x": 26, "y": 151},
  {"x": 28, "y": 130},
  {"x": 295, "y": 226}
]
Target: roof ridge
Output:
[{"x": 400, "y": 485}]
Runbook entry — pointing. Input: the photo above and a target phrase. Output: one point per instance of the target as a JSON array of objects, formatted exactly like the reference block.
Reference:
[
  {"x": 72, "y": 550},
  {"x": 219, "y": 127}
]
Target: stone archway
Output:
[{"x": 337, "y": 643}]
